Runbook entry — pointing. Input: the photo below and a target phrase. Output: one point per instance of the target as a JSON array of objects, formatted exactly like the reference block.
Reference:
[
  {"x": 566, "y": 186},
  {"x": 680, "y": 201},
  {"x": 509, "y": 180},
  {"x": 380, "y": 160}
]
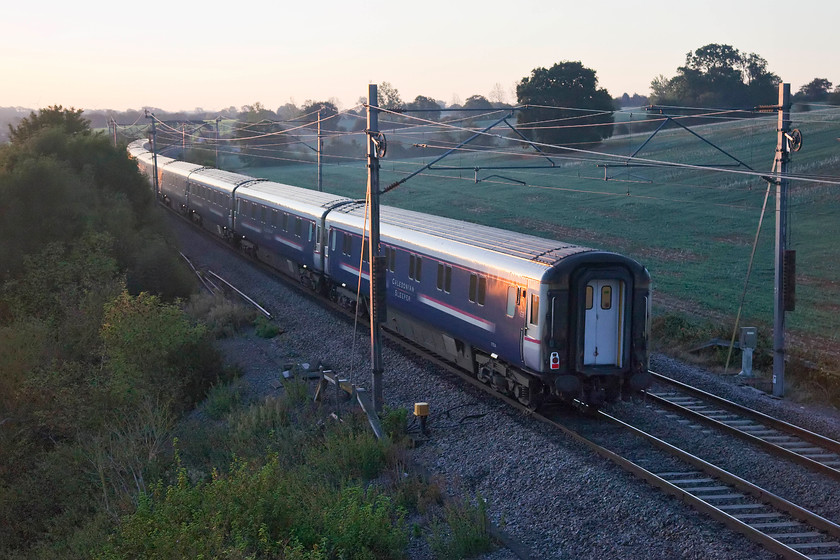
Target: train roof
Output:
[
  {"x": 221, "y": 180},
  {"x": 180, "y": 167},
  {"x": 510, "y": 251},
  {"x": 306, "y": 201},
  {"x": 137, "y": 148}
]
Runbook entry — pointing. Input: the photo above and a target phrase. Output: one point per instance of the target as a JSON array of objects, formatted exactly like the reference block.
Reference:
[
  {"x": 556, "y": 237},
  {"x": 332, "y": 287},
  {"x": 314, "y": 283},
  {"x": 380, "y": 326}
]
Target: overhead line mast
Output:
[
  {"x": 782, "y": 262},
  {"x": 785, "y": 264},
  {"x": 375, "y": 150}
]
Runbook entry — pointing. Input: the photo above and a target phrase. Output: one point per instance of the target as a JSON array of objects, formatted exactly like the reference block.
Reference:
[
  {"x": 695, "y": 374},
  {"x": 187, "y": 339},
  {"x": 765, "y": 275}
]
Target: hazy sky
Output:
[{"x": 180, "y": 55}]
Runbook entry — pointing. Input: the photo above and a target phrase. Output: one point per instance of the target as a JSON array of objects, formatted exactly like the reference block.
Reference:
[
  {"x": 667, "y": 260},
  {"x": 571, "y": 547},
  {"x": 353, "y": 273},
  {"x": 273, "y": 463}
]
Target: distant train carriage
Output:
[
  {"x": 210, "y": 199},
  {"x": 282, "y": 226}
]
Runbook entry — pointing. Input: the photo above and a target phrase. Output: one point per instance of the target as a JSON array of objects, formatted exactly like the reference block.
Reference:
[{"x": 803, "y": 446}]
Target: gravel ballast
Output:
[{"x": 550, "y": 494}]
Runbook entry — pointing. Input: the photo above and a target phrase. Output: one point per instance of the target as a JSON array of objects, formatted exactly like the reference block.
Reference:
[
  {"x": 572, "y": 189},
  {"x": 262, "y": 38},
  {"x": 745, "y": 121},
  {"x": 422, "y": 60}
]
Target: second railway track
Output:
[{"x": 792, "y": 442}]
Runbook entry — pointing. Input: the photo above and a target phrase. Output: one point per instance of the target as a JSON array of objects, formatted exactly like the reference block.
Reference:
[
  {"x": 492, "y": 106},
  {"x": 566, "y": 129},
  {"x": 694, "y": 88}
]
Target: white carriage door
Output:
[
  {"x": 531, "y": 335},
  {"x": 602, "y": 323}
]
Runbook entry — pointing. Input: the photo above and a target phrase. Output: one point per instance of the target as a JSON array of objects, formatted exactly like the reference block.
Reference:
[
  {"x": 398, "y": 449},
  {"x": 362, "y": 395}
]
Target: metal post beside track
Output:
[
  {"x": 782, "y": 157},
  {"x": 376, "y": 301}
]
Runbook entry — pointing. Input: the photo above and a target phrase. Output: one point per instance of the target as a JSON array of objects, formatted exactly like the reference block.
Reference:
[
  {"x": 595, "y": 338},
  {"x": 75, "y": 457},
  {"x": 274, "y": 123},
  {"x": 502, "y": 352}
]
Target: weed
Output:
[
  {"x": 296, "y": 391},
  {"x": 264, "y": 328},
  {"x": 394, "y": 423},
  {"x": 221, "y": 399},
  {"x": 463, "y": 532}
]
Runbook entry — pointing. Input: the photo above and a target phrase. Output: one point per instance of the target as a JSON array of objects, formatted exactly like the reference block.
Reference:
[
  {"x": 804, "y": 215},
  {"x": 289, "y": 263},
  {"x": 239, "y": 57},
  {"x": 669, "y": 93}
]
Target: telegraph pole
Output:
[
  {"x": 154, "y": 151},
  {"x": 375, "y": 148},
  {"x": 782, "y": 158},
  {"x": 320, "y": 147}
]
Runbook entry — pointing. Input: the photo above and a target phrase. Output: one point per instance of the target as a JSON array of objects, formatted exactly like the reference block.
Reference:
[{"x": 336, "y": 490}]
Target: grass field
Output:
[{"x": 693, "y": 229}]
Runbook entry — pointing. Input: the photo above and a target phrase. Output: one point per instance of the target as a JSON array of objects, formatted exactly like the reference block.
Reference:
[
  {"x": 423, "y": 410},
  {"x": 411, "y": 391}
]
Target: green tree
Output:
[
  {"x": 388, "y": 96},
  {"x": 288, "y": 111},
  {"x": 565, "y": 105},
  {"x": 68, "y": 120},
  {"x": 816, "y": 90},
  {"x": 717, "y": 75},
  {"x": 328, "y": 110},
  {"x": 257, "y": 133},
  {"x": 478, "y": 102},
  {"x": 430, "y": 108}
]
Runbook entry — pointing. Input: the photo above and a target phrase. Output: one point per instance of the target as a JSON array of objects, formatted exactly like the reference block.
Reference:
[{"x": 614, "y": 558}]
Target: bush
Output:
[
  {"x": 265, "y": 328},
  {"x": 264, "y": 511}
]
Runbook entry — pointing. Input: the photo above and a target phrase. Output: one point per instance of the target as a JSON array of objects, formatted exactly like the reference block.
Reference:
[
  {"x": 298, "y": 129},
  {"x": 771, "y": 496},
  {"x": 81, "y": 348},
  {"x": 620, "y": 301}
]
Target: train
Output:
[{"x": 537, "y": 319}]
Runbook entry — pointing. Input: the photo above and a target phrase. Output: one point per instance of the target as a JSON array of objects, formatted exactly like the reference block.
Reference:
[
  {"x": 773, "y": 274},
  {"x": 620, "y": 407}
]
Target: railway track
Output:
[
  {"x": 775, "y": 523},
  {"x": 792, "y": 442},
  {"x": 779, "y": 525}
]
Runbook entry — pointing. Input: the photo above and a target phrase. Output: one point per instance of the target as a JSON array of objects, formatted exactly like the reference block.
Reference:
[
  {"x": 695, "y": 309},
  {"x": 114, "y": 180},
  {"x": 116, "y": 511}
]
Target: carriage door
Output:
[
  {"x": 531, "y": 333},
  {"x": 602, "y": 323}
]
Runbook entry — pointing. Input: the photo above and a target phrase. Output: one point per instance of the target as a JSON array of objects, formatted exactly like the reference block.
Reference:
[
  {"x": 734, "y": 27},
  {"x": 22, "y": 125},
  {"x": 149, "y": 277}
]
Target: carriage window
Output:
[
  {"x": 535, "y": 310},
  {"x": 444, "y": 277},
  {"x": 606, "y": 297},
  {"x": 392, "y": 259},
  {"x": 333, "y": 235},
  {"x": 311, "y": 230},
  {"x": 590, "y": 295},
  {"x": 365, "y": 251},
  {"x": 274, "y": 218},
  {"x": 253, "y": 210},
  {"x": 511, "y": 301},
  {"x": 415, "y": 265},
  {"x": 262, "y": 214},
  {"x": 285, "y": 222},
  {"x": 347, "y": 244},
  {"x": 298, "y": 227},
  {"x": 478, "y": 289}
]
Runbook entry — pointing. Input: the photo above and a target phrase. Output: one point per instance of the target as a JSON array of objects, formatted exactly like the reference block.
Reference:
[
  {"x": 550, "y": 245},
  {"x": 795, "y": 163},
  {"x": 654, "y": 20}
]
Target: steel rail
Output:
[{"x": 793, "y": 442}]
